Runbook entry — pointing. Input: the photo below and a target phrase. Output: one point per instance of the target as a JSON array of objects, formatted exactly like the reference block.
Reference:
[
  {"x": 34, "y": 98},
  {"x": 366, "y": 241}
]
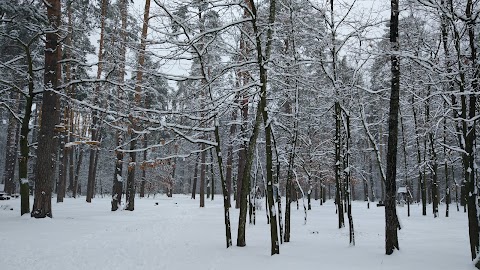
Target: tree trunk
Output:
[
  {"x": 276, "y": 184},
  {"x": 288, "y": 206},
  {"x": 212, "y": 180},
  {"x": 405, "y": 160},
  {"x": 348, "y": 185},
  {"x": 42, "y": 205},
  {"x": 11, "y": 146},
  {"x": 23, "y": 164},
  {"x": 244, "y": 189},
  {"x": 144, "y": 169},
  {"x": 450, "y": 88},
  {"x": 289, "y": 181},
  {"x": 117, "y": 188},
  {"x": 71, "y": 166},
  {"x": 421, "y": 175},
  {"x": 130, "y": 193},
  {"x": 226, "y": 197},
  {"x": 195, "y": 177},
  {"x": 91, "y": 174},
  {"x": 62, "y": 159},
  {"x": 309, "y": 193},
  {"x": 391, "y": 219},
  {"x": 382, "y": 183},
  {"x": 208, "y": 184},
  {"x": 95, "y": 166},
  {"x": 241, "y": 162},
  {"x": 130, "y": 189},
  {"x": 95, "y": 117},
  {"x": 117, "y": 176},
  {"x": 370, "y": 172},
  {"x": 338, "y": 183},
  {"x": 228, "y": 177},
  {"x": 244, "y": 78},
  {"x": 434, "y": 162},
  {"x": 469, "y": 135},
  {"x": 202, "y": 176},
  {"x": 275, "y": 249},
  {"x": 68, "y": 118},
  {"x": 77, "y": 171}
]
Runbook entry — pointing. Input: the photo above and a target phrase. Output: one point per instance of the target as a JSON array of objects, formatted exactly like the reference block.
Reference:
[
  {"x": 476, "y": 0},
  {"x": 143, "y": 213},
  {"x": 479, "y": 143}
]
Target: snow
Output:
[{"x": 176, "y": 234}]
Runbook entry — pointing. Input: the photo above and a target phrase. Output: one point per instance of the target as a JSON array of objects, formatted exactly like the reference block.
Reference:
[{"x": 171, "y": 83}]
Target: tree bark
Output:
[
  {"x": 348, "y": 185},
  {"x": 421, "y": 175},
  {"x": 95, "y": 117},
  {"x": 23, "y": 164},
  {"x": 42, "y": 205},
  {"x": 261, "y": 112},
  {"x": 226, "y": 195},
  {"x": 11, "y": 146},
  {"x": 243, "y": 101},
  {"x": 391, "y": 219},
  {"x": 449, "y": 88},
  {"x": 195, "y": 177},
  {"x": 202, "y": 176},
  {"x": 144, "y": 169},
  {"x": 212, "y": 178},
  {"x": 228, "y": 176},
  {"x": 130, "y": 194},
  {"x": 117, "y": 188},
  {"x": 71, "y": 93},
  {"x": 405, "y": 163},
  {"x": 338, "y": 182},
  {"x": 63, "y": 158},
  {"x": 71, "y": 166},
  {"x": 95, "y": 166},
  {"x": 77, "y": 171},
  {"x": 469, "y": 135},
  {"x": 434, "y": 162},
  {"x": 130, "y": 189},
  {"x": 117, "y": 176}
]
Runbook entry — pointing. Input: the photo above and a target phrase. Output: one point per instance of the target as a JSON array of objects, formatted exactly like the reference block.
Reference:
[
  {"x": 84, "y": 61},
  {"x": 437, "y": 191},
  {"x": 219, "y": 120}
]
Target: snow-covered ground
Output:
[{"x": 177, "y": 234}]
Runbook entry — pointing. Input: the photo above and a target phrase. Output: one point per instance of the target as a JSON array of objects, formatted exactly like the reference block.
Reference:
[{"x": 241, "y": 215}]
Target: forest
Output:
[{"x": 282, "y": 102}]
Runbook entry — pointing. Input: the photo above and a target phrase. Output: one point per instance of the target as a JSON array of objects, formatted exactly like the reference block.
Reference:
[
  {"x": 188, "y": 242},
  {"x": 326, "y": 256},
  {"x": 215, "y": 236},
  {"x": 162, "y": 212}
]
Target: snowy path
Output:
[{"x": 177, "y": 234}]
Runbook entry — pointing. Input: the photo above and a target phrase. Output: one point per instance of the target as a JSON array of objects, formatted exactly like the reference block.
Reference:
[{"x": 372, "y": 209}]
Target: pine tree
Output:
[{"x": 42, "y": 204}]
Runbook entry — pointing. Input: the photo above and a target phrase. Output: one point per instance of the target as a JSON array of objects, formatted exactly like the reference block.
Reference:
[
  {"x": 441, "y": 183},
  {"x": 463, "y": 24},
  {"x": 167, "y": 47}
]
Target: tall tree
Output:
[
  {"x": 119, "y": 136},
  {"x": 469, "y": 135},
  {"x": 130, "y": 192},
  {"x": 95, "y": 128},
  {"x": 262, "y": 113},
  {"x": 391, "y": 219},
  {"x": 11, "y": 145},
  {"x": 42, "y": 204}
]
